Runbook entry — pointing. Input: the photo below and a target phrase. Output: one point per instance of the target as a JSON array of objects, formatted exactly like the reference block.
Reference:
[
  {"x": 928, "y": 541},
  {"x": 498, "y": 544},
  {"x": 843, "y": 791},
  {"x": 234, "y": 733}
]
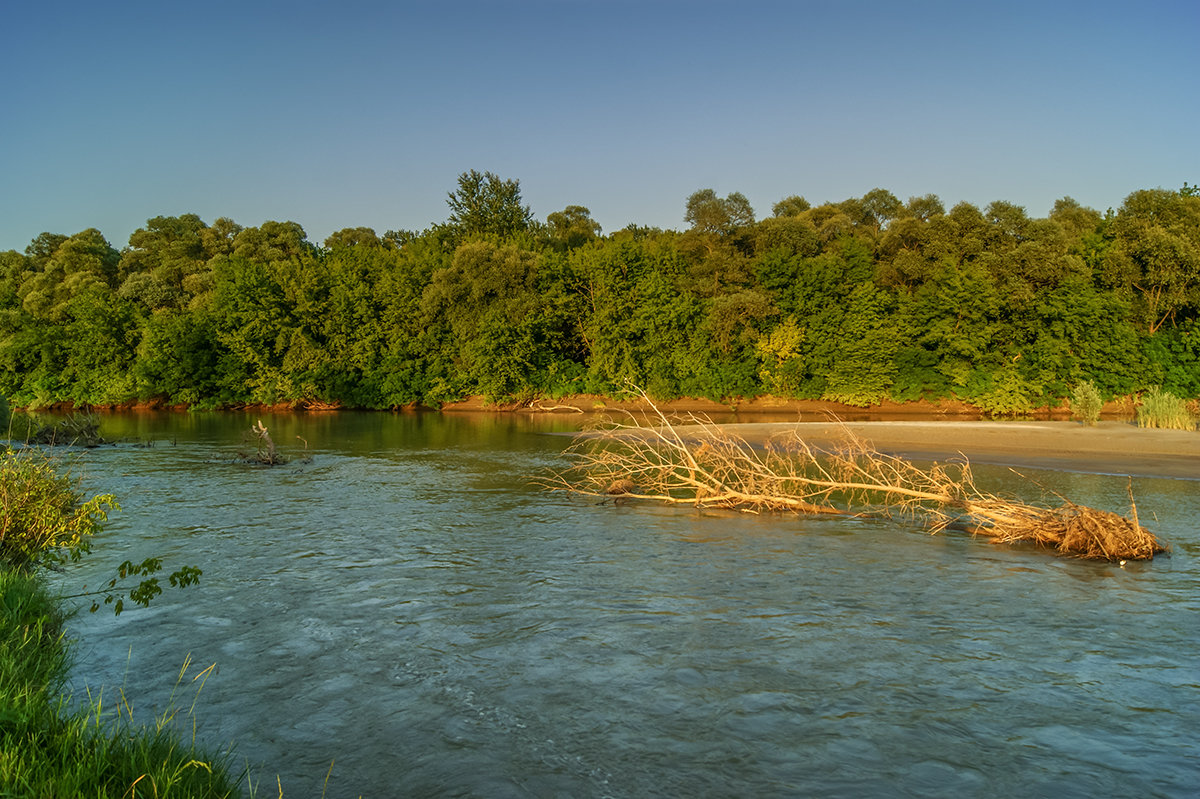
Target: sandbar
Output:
[{"x": 1110, "y": 447}]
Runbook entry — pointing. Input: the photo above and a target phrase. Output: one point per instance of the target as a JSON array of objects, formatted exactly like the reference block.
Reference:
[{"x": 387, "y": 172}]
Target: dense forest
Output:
[{"x": 852, "y": 301}]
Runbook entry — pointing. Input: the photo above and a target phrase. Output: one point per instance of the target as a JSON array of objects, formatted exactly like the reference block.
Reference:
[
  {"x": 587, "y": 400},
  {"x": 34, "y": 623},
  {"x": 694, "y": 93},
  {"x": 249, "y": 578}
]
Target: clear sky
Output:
[{"x": 360, "y": 113}]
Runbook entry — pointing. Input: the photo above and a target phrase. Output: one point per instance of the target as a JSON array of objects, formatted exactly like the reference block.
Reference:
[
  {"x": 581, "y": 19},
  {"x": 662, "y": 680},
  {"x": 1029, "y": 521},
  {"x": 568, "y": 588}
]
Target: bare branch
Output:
[{"x": 690, "y": 460}]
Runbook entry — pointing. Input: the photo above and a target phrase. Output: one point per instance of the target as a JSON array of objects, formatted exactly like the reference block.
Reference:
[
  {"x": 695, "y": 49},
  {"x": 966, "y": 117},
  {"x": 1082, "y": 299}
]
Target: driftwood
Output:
[
  {"x": 689, "y": 460},
  {"x": 264, "y": 452}
]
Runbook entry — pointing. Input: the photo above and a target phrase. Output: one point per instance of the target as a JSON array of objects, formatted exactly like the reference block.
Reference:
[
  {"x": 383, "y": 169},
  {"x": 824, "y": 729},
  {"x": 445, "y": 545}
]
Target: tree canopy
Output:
[{"x": 855, "y": 300}]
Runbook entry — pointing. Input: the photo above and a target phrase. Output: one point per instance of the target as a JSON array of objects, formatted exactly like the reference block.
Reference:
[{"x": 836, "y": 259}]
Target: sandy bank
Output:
[{"x": 1108, "y": 448}]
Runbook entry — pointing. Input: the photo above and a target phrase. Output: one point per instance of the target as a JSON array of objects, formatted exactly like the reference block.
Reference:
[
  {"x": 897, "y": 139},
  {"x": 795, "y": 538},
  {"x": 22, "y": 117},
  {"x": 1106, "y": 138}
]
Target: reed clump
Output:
[
  {"x": 1164, "y": 410},
  {"x": 689, "y": 460}
]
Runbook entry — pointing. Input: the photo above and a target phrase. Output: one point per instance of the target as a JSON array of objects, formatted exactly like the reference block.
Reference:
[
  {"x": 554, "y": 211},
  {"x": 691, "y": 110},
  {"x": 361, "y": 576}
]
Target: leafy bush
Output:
[
  {"x": 43, "y": 519},
  {"x": 1086, "y": 403},
  {"x": 1004, "y": 393},
  {"x": 1164, "y": 410}
]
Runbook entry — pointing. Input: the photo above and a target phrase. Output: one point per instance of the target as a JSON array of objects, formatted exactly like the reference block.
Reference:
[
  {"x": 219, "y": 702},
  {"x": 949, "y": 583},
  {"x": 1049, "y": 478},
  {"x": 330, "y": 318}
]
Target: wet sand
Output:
[{"x": 1107, "y": 448}]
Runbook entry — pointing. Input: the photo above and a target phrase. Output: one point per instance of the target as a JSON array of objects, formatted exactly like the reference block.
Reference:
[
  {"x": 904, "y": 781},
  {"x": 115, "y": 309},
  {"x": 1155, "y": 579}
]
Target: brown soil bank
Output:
[
  {"x": 765, "y": 406},
  {"x": 775, "y": 406},
  {"x": 791, "y": 408}
]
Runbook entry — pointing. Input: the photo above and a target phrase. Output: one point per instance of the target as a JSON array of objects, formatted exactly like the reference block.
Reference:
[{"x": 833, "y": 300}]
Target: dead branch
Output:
[
  {"x": 690, "y": 460},
  {"x": 265, "y": 452}
]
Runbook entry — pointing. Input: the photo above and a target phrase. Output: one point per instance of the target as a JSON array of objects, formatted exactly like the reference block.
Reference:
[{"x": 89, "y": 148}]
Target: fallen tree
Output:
[{"x": 689, "y": 460}]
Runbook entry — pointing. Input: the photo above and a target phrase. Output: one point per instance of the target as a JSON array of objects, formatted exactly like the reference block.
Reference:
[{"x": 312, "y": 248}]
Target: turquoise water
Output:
[{"x": 410, "y": 616}]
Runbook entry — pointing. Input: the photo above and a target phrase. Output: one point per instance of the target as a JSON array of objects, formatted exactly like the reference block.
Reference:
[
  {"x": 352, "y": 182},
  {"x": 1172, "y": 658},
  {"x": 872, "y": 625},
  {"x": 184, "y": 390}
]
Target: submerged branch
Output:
[{"x": 690, "y": 460}]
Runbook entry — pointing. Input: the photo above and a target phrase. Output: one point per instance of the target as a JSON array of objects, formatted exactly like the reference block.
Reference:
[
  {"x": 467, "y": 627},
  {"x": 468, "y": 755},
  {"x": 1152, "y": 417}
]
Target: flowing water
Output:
[{"x": 406, "y": 615}]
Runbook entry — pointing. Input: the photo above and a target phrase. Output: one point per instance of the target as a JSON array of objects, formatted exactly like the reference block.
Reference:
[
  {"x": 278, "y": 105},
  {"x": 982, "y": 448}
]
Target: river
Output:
[{"x": 407, "y": 615}]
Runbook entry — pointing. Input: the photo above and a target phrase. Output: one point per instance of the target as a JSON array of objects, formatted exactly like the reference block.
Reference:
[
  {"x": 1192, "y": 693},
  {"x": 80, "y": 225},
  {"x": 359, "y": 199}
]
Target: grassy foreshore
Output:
[{"x": 49, "y": 747}]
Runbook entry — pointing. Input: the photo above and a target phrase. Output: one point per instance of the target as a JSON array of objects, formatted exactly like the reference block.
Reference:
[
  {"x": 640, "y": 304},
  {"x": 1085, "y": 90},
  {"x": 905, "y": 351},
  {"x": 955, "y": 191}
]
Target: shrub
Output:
[
  {"x": 1164, "y": 410},
  {"x": 43, "y": 519},
  {"x": 1086, "y": 403},
  {"x": 1004, "y": 393}
]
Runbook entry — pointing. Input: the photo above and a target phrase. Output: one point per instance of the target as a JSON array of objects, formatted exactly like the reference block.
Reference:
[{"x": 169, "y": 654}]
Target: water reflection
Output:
[{"x": 410, "y": 608}]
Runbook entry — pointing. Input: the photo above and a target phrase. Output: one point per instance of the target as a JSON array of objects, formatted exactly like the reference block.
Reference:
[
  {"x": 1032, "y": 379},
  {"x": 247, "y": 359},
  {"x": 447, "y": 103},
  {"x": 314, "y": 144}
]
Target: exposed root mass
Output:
[{"x": 689, "y": 460}]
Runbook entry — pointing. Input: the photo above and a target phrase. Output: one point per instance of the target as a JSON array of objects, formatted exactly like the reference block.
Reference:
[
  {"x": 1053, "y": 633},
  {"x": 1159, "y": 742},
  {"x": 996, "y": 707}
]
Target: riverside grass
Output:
[
  {"x": 1164, "y": 410},
  {"x": 49, "y": 748},
  {"x": 49, "y": 745}
]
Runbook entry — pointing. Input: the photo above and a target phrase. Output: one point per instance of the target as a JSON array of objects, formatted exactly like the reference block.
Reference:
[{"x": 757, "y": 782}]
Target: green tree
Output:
[
  {"x": 272, "y": 241},
  {"x": 955, "y": 317},
  {"x": 792, "y": 235},
  {"x": 494, "y": 318},
  {"x": 101, "y": 339},
  {"x": 572, "y": 227},
  {"x": 880, "y": 207},
  {"x": 179, "y": 359},
  {"x": 42, "y": 248},
  {"x": 485, "y": 204},
  {"x": 353, "y": 237},
  {"x": 793, "y": 205},
  {"x": 164, "y": 260},
  {"x": 1076, "y": 220},
  {"x": 1155, "y": 255},
  {"x": 81, "y": 262},
  {"x": 924, "y": 208},
  {"x": 708, "y": 213}
]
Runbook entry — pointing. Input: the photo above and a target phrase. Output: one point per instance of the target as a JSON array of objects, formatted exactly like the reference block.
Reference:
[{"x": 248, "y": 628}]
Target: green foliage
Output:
[
  {"x": 44, "y": 520},
  {"x": 1164, "y": 410},
  {"x": 484, "y": 204},
  {"x": 572, "y": 227},
  {"x": 1086, "y": 403},
  {"x": 853, "y": 300},
  {"x": 144, "y": 592},
  {"x": 49, "y": 749},
  {"x": 1004, "y": 392},
  {"x": 1174, "y": 356},
  {"x": 708, "y": 213},
  {"x": 793, "y": 205}
]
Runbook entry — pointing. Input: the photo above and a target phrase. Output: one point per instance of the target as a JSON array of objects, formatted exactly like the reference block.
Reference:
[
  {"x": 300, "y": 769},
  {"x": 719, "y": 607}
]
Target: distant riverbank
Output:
[{"x": 800, "y": 409}]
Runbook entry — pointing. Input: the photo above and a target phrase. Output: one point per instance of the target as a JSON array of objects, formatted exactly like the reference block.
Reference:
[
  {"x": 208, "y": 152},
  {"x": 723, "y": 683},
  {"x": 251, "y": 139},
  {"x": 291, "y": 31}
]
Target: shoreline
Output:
[
  {"x": 922, "y": 430},
  {"x": 947, "y": 408},
  {"x": 1110, "y": 447}
]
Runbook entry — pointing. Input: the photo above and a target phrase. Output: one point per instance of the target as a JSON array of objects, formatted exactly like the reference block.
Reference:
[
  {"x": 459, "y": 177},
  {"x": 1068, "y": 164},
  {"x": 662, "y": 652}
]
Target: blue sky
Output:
[{"x": 353, "y": 113}]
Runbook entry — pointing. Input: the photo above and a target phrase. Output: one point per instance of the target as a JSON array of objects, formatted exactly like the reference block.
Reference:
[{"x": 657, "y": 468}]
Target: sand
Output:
[{"x": 1108, "y": 448}]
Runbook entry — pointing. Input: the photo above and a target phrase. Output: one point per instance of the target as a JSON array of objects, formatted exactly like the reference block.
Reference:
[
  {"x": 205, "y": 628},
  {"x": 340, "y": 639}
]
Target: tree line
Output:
[{"x": 852, "y": 301}]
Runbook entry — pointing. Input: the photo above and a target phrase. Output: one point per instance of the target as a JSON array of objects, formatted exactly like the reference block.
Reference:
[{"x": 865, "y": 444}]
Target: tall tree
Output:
[
  {"x": 1156, "y": 254},
  {"x": 708, "y": 213},
  {"x": 160, "y": 258},
  {"x": 572, "y": 227},
  {"x": 793, "y": 205},
  {"x": 485, "y": 204}
]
